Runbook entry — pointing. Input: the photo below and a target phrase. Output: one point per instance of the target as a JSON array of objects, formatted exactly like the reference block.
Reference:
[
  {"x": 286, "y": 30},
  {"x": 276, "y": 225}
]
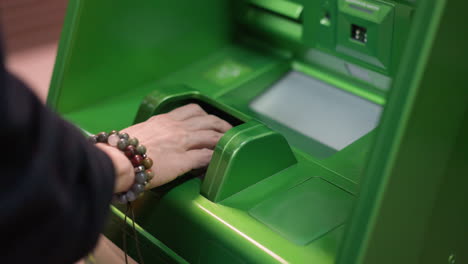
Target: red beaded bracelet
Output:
[{"x": 136, "y": 153}]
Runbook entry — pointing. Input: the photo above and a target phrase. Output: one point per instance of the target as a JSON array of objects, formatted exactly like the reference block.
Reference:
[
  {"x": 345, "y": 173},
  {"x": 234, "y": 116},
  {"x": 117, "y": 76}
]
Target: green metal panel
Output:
[
  {"x": 412, "y": 206},
  {"x": 373, "y": 23},
  {"x": 149, "y": 246},
  {"x": 299, "y": 205},
  {"x": 121, "y": 45},
  {"x": 251, "y": 145}
]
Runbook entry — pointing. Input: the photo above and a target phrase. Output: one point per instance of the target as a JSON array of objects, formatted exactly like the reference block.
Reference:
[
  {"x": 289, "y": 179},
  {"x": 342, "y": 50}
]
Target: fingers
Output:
[
  {"x": 186, "y": 111},
  {"x": 186, "y": 135},
  {"x": 207, "y": 122},
  {"x": 203, "y": 139},
  {"x": 199, "y": 158}
]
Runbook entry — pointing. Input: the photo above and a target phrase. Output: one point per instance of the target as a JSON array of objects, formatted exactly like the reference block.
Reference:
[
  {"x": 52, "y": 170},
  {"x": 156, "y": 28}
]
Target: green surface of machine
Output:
[{"x": 349, "y": 139}]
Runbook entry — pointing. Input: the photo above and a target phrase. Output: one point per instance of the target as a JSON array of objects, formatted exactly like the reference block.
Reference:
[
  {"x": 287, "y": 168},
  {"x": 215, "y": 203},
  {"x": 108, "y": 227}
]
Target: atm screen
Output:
[{"x": 318, "y": 111}]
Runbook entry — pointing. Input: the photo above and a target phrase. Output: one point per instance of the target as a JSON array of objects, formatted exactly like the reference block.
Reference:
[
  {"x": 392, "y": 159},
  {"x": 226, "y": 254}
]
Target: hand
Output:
[{"x": 179, "y": 141}]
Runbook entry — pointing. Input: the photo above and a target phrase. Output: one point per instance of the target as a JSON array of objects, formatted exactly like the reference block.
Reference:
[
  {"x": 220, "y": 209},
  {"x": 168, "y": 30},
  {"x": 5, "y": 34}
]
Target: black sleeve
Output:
[{"x": 55, "y": 187}]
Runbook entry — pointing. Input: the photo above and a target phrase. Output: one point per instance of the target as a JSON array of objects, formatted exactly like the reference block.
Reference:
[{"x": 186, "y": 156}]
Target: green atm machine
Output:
[{"x": 350, "y": 123}]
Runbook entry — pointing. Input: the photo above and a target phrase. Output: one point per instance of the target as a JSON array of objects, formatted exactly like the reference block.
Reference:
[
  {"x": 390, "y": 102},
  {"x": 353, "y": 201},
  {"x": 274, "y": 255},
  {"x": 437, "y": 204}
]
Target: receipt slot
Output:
[{"x": 332, "y": 157}]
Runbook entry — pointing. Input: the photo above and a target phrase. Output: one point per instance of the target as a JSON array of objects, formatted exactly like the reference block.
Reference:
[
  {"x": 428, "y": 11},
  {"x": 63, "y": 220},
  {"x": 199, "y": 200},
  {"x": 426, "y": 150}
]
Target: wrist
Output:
[
  {"x": 123, "y": 169},
  {"x": 135, "y": 153}
]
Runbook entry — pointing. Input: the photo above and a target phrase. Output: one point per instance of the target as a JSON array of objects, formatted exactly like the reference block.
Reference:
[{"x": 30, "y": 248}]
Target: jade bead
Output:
[
  {"x": 133, "y": 142},
  {"x": 147, "y": 163},
  {"x": 131, "y": 196},
  {"x": 150, "y": 174},
  {"x": 92, "y": 139},
  {"x": 122, "y": 198},
  {"x": 140, "y": 168},
  {"x": 137, "y": 161},
  {"x": 113, "y": 140},
  {"x": 122, "y": 144},
  {"x": 124, "y": 135},
  {"x": 140, "y": 177},
  {"x": 138, "y": 188},
  {"x": 102, "y": 137},
  {"x": 130, "y": 151},
  {"x": 141, "y": 149}
]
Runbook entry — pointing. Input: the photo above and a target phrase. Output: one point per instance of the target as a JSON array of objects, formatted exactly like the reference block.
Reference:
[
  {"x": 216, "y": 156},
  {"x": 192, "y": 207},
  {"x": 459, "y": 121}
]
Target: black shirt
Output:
[{"x": 55, "y": 187}]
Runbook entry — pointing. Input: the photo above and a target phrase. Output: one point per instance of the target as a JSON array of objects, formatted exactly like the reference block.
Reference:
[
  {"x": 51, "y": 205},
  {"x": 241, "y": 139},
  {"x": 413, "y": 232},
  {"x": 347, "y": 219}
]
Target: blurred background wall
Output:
[{"x": 31, "y": 30}]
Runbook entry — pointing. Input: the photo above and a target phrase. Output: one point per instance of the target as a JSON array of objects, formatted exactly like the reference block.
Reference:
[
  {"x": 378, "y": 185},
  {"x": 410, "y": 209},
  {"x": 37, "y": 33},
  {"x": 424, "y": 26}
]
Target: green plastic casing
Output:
[{"x": 395, "y": 195}]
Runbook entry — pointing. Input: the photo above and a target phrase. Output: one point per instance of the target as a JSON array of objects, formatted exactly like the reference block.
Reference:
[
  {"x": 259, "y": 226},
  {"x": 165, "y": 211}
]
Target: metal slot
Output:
[{"x": 286, "y": 9}]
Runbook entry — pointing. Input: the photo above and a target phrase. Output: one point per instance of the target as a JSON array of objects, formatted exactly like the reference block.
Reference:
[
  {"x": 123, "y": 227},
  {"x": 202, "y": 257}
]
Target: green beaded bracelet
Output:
[{"x": 136, "y": 153}]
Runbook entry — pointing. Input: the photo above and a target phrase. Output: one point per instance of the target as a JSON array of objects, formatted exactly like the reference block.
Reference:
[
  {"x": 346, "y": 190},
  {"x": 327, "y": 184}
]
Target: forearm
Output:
[{"x": 61, "y": 181}]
